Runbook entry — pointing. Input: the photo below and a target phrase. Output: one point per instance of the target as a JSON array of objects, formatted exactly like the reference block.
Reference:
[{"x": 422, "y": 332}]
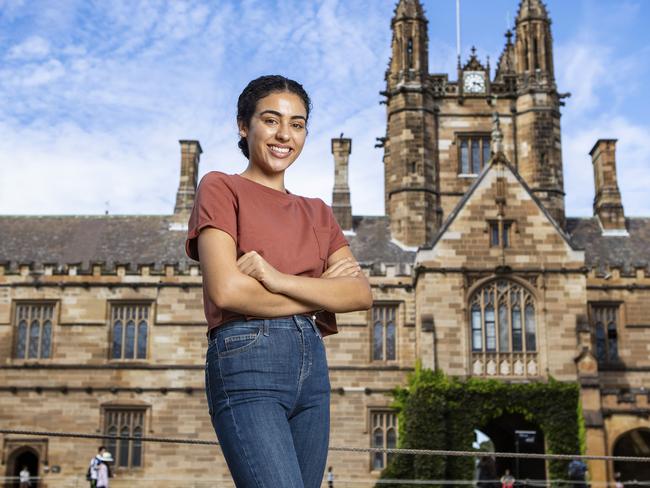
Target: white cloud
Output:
[
  {"x": 33, "y": 47},
  {"x": 98, "y": 115}
]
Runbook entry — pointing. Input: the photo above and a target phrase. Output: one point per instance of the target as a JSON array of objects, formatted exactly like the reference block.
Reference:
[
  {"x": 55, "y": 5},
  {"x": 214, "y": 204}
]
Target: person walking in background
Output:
[
  {"x": 617, "y": 480},
  {"x": 91, "y": 473},
  {"x": 577, "y": 471},
  {"x": 103, "y": 471},
  {"x": 24, "y": 476},
  {"x": 507, "y": 480},
  {"x": 330, "y": 478}
]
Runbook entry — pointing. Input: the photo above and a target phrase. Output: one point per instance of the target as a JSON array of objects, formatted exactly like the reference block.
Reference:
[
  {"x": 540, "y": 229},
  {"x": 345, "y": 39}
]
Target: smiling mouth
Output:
[{"x": 280, "y": 150}]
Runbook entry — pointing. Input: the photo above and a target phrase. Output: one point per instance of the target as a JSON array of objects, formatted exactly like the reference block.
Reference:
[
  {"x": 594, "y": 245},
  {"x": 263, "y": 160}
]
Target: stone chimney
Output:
[
  {"x": 607, "y": 202},
  {"x": 190, "y": 155},
  {"x": 341, "y": 149}
]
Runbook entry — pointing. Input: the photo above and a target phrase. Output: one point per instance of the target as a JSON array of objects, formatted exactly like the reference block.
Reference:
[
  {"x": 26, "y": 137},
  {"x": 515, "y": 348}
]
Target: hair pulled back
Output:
[{"x": 260, "y": 88}]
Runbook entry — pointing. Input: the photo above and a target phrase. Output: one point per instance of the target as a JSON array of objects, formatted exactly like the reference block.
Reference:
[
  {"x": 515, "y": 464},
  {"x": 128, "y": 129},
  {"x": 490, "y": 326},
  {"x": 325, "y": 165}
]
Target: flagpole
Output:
[{"x": 458, "y": 29}]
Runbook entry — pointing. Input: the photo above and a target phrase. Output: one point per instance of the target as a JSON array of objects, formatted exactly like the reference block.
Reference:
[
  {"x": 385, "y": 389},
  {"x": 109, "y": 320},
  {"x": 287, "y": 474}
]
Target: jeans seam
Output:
[
  {"x": 234, "y": 421},
  {"x": 301, "y": 377}
]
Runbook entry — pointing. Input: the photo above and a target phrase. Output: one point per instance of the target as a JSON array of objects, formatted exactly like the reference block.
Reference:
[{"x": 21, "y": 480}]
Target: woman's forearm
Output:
[
  {"x": 248, "y": 296},
  {"x": 341, "y": 294}
]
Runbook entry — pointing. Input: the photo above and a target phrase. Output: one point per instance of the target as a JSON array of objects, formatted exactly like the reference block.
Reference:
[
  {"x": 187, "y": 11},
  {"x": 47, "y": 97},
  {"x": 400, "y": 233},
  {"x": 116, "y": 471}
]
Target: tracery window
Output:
[
  {"x": 383, "y": 434},
  {"x": 127, "y": 422},
  {"x": 34, "y": 330},
  {"x": 130, "y": 330},
  {"x": 383, "y": 332},
  {"x": 604, "y": 319},
  {"x": 503, "y": 329},
  {"x": 473, "y": 152}
]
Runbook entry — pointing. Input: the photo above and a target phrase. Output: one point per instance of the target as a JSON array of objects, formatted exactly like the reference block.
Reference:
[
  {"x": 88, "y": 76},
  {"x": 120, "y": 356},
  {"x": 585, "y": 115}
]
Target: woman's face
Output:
[{"x": 277, "y": 131}]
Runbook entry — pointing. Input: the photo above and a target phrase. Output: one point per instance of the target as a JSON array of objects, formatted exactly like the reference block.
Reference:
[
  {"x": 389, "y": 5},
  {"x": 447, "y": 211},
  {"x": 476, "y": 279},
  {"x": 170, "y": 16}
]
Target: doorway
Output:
[
  {"x": 20, "y": 458},
  {"x": 633, "y": 443},
  {"x": 513, "y": 433}
]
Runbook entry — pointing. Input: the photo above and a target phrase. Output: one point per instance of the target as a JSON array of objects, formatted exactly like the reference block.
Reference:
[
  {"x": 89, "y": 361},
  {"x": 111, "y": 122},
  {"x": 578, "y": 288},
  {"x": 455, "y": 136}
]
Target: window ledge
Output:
[{"x": 467, "y": 175}]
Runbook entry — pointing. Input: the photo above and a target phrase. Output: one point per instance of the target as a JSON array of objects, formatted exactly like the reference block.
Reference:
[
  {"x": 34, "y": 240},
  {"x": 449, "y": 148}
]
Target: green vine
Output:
[{"x": 440, "y": 412}]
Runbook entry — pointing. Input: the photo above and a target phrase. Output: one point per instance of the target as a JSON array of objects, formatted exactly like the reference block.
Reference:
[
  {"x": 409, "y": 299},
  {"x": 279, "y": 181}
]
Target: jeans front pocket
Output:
[{"x": 236, "y": 339}]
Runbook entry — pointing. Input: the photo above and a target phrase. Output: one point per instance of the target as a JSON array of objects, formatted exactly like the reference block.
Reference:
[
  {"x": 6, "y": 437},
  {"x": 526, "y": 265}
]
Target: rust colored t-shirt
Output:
[{"x": 294, "y": 234}]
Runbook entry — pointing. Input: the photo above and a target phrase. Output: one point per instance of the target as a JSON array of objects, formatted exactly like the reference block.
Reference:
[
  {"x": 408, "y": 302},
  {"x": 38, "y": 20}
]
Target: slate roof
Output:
[
  {"x": 143, "y": 239},
  {"x": 147, "y": 239},
  {"x": 624, "y": 252},
  {"x": 111, "y": 239}
]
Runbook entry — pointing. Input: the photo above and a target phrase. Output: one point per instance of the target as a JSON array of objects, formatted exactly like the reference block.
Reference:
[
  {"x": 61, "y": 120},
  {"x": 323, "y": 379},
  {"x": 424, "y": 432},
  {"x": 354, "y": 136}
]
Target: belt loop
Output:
[
  {"x": 266, "y": 327},
  {"x": 295, "y": 320}
]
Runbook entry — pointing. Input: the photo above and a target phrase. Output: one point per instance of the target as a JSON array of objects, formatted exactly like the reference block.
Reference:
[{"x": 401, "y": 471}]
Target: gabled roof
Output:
[{"x": 500, "y": 158}]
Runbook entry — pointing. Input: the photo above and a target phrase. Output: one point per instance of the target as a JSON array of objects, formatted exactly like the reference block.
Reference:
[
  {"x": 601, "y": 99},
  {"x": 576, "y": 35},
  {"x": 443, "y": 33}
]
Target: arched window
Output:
[
  {"x": 502, "y": 326},
  {"x": 128, "y": 422},
  {"x": 383, "y": 435},
  {"x": 33, "y": 339},
  {"x": 130, "y": 331},
  {"x": 604, "y": 318},
  {"x": 384, "y": 332}
]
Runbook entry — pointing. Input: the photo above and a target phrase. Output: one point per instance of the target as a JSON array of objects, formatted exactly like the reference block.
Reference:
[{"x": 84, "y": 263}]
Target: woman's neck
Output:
[{"x": 274, "y": 181}]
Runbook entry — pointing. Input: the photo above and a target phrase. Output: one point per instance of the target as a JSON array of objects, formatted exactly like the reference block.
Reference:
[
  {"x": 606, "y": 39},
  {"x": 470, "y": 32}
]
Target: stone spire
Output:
[
  {"x": 411, "y": 9},
  {"x": 534, "y": 45},
  {"x": 410, "y": 45},
  {"x": 506, "y": 64},
  {"x": 341, "y": 149},
  {"x": 532, "y": 9}
]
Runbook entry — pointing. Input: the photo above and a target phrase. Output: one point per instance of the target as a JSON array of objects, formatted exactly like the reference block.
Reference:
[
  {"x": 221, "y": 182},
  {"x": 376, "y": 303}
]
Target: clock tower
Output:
[{"x": 474, "y": 78}]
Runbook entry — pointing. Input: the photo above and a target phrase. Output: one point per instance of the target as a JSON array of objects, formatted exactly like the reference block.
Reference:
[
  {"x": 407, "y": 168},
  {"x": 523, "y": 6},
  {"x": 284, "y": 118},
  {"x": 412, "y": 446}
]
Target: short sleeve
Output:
[
  {"x": 215, "y": 206},
  {"x": 337, "y": 239}
]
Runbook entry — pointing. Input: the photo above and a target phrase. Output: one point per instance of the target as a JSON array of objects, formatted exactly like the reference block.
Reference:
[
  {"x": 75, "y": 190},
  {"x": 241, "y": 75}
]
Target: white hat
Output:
[{"x": 106, "y": 456}]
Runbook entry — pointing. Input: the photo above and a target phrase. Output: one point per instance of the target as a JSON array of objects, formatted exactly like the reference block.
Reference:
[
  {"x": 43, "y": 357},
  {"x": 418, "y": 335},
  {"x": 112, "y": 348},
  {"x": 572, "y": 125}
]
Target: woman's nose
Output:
[{"x": 283, "y": 132}]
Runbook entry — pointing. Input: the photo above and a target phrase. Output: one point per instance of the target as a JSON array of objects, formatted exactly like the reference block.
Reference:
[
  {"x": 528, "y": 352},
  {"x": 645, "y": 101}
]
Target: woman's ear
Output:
[{"x": 243, "y": 130}]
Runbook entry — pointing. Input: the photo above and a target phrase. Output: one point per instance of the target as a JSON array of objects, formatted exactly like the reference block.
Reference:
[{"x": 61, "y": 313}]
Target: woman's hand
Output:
[
  {"x": 343, "y": 267},
  {"x": 254, "y": 265}
]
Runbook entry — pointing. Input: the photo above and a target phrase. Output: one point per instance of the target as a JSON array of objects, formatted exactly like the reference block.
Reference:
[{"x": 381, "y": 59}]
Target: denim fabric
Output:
[{"x": 268, "y": 393}]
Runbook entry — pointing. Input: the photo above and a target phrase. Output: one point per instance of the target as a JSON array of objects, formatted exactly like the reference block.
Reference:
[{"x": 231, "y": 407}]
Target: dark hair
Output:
[
  {"x": 260, "y": 88},
  {"x": 101, "y": 448}
]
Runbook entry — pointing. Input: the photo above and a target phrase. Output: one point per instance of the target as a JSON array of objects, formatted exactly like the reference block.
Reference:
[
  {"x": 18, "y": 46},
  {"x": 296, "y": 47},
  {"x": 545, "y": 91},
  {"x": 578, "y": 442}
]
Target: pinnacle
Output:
[
  {"x": 409, "y": 8},
  {"x": 531, "y": 8}
]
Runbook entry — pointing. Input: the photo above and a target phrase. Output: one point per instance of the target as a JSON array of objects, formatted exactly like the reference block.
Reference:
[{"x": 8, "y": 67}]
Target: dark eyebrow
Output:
[{"x": 274, "y": 112}]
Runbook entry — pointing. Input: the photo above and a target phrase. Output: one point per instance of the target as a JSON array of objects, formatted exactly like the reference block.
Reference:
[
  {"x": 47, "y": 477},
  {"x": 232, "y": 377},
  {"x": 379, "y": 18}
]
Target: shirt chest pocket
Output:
[{"x": 323, "y": 238}]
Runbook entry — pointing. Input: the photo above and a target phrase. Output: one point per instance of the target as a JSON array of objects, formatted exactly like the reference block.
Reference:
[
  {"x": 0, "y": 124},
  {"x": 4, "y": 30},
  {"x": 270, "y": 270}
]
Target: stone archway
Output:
[
  {"x": 24, "y": 456},
  {"x": 513, "y": 433},
  {"x": 635, "y": 442}
]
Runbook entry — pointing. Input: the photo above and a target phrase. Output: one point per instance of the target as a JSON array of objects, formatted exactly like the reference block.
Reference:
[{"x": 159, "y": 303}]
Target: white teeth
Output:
[{"x": 280, "y": 149}]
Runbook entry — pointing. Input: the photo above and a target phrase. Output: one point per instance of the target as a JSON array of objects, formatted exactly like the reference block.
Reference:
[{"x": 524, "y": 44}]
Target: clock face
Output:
[{"x": 474, "y": 82}]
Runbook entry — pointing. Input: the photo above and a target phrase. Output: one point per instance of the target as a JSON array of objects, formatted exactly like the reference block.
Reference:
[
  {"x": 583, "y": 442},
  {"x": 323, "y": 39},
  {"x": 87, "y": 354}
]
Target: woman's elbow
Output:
[
  {"x": 221, "y": 296},
  {"x": 366, "y": 298}
]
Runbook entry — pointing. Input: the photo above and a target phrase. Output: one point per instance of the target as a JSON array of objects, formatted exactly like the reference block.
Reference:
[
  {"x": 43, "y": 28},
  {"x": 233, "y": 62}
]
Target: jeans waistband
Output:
[{"x": 288, "y": 322}]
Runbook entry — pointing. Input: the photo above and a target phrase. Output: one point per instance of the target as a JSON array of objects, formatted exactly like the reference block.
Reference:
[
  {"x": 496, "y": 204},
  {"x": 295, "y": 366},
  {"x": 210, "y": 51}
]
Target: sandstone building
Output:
[{"x": 475, "y": 268}]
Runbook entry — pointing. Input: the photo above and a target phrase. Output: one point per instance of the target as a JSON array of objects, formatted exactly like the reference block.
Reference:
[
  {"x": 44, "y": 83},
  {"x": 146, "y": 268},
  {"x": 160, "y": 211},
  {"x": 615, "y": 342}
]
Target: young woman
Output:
[{"x": 270, "y": 260}]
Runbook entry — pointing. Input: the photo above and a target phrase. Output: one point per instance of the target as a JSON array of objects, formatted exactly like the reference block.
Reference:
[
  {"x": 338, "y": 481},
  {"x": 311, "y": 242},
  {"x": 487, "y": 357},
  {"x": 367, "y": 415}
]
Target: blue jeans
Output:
[{"x": 268, "y": 393}]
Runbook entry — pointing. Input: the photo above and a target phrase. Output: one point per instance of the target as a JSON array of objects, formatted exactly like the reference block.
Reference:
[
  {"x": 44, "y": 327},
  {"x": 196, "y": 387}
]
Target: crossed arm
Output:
[{"x": 250, "y": 285}]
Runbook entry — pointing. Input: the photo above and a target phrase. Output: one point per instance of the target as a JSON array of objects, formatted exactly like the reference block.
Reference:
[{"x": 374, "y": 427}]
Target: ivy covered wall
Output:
[{"x": 439, "y": 412}]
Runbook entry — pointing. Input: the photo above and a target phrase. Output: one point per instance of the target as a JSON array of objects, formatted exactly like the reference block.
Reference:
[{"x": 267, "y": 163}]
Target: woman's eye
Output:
[
  {"x": 298, "y": 126},
  {"x": 270, "y": 121}
]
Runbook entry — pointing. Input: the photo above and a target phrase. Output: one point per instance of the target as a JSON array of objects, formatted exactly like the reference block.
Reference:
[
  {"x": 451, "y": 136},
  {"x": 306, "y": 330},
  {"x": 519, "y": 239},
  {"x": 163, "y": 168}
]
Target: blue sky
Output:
[{"x": 95, "y": 95}]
